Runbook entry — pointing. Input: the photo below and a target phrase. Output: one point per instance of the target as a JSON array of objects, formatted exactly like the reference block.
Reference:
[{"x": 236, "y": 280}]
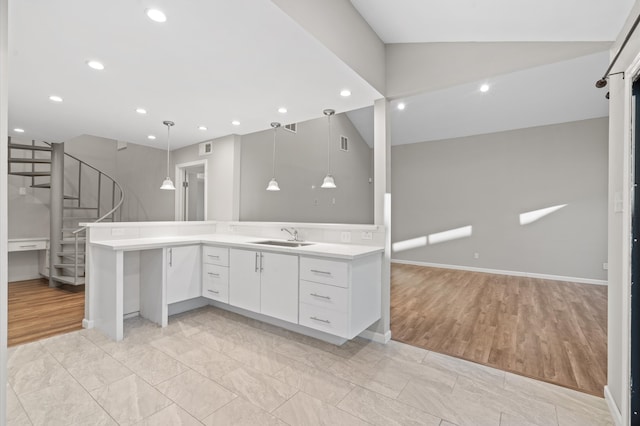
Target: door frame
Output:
[{"x": 179, "y": 208}]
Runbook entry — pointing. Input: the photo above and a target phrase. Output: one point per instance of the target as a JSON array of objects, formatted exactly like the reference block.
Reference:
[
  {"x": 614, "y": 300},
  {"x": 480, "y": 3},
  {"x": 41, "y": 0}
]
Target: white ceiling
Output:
[
  {"x": 412, "y": 21},
  {"x": 212, "y": 62},
  {"x": 549, "y": 94}
]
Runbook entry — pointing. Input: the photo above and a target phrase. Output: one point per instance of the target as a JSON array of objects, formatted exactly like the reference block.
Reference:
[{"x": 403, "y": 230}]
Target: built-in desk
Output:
[{"x": 27, "y": 258}]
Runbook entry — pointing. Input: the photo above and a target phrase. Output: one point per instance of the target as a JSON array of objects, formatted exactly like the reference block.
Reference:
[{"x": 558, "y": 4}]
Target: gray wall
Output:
[
  {"x": 486, "y": 181},
  {"x": 301, "y": 164}
]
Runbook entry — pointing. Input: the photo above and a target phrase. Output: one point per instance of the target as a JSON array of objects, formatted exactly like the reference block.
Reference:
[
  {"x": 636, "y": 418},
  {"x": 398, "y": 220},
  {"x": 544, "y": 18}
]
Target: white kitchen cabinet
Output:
[
  {"x": 183, "y": 273},
  {"x": 340, "y": 297},
  {"x": 215, "y": 273},
  {"x": 264, "y": 282}
]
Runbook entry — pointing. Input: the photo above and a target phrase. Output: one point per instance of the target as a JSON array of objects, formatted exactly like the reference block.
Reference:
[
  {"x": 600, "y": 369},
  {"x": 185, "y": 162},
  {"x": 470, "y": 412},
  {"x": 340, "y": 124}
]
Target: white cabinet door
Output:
[
  {"x": 244, "y": 279},
  {"x": 184, "y": 269},
  {"x": 279, "y": 286}
]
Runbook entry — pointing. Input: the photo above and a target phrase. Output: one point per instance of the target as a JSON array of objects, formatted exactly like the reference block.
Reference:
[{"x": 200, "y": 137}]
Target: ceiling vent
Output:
[
  {"x": 205, "y": 148},
  {"x": 293, "y": 127}
]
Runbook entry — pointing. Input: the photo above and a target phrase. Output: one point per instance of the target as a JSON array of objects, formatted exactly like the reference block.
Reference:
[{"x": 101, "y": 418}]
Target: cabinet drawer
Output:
[
  {"x": 215, "y": 255},
  {"x": 215, "y": 283},
  {"x": 325, "y": 296},
  {"x": 26, "y": 245},
  {"x": 322, "y": 319},
  {"x": 324, "y": 271}
]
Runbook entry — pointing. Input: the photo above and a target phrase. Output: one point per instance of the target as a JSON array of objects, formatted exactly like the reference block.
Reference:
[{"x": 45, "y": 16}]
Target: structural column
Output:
[{"x": 56, "y": 207}]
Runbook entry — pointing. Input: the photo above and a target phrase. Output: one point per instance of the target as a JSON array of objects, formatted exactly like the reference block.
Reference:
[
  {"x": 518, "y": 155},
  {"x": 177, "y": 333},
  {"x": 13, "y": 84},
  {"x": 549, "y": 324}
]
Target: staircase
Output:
[{"x": 79, "y": 193}]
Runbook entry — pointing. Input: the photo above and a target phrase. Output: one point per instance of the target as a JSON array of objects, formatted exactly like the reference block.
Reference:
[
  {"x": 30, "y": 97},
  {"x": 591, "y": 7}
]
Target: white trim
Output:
[
  {"x": 179, "y": 188},
  {"x": 87, "y": 323},
  {"x": 503, "y": 272},
  {"x": 613, "y": 408},
  {"x": 375, "y": 336}
]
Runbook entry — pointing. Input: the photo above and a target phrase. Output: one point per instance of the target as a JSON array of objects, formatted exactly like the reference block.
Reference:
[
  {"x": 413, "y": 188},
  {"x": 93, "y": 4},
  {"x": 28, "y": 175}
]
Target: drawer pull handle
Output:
[
  {"x": 214, "y": 256},
  {"x": 213, "y": 291},
  {"x": 315, "y": 271},
  {"x": 215, "y": 275},
  {"x": 29, "y": 246},
  {"x": 321, "y": 296},
  {"x": 321, "y": 320}
]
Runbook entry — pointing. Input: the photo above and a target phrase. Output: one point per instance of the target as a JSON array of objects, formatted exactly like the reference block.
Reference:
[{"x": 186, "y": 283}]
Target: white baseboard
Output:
[
  {"x": 87, "y": 323},
  {"x": 375, "y": 336},
  {"x": 503, "y": 272},
  {"x": 616, "y": 415}
]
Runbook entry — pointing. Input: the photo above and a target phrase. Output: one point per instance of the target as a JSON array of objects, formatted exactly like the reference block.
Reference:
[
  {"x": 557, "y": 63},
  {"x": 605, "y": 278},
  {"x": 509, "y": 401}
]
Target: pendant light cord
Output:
[
  {"x": 273, "y": 174},
  {"x": 329, "y": 145},
  {"x": 168, "y": 145}
]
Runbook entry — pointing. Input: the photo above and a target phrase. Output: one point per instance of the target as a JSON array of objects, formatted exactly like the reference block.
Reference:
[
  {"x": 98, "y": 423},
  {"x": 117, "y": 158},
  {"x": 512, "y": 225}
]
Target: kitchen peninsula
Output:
[{"x": 318, "y": 287}]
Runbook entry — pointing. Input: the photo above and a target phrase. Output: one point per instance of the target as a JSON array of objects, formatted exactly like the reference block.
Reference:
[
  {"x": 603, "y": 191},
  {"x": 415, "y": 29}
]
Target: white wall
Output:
[
  {"x": 487, "y": 181},
  {"x": 4, "y": 94}
]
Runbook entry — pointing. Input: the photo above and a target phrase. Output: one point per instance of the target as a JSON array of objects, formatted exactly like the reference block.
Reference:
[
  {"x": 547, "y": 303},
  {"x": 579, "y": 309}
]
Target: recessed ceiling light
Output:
[
  {"x": 401, "y": 106},
  {"x": 235, "y": 122},
  {"x": 484, "y": 88},
  {"x": 18, "y": 130},
  {"x": 156, "y": 15},
  {"x": 151, "y": 137},
  {"x": 345, "y": 93},
  {"x": 95, "y": 65},
  {"x": 202, "y": 128},
  {"x": 141, "y": 111},
  {"x": 55, "y": 98},
  {"x": 282, "y": 110}
]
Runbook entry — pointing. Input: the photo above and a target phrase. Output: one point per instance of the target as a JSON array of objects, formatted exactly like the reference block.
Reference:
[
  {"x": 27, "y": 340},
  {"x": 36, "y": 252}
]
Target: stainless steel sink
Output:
[{"x": 282, "y": 243}]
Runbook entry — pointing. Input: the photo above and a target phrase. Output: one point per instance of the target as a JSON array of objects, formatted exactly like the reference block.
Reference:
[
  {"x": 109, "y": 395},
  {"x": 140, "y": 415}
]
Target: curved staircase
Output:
[{"x": 79, "y": 193}]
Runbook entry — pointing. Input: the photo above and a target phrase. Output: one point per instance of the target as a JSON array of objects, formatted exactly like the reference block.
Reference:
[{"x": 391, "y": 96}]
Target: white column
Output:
[{"x": 56, "y": 207}]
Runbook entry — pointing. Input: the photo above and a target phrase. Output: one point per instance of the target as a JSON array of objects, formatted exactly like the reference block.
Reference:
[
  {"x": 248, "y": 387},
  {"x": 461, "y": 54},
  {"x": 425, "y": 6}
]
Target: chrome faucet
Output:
[{"x": 293, "y": 232}]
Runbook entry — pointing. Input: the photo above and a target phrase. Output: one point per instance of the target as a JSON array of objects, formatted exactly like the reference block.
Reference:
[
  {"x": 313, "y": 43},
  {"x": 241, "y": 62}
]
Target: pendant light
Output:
[
  {"x": 328, "y": 182},
  {"x": 273, "y": 183},
  {"x": 167, "y": 183}
]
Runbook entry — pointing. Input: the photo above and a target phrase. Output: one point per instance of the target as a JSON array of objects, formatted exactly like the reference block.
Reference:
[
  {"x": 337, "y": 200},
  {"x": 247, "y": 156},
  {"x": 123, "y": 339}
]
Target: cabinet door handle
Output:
[
  {"x": 261, "y": 257},
  {"x": 170, "y": 257},
  {"x": 213, "y": 291},
  {"x": 214, "y": 256},
  {"x": 215, "y": 275},
  {"x": 29, "y": 246},
  {"x": 315, "y": 271},
  {"x": 321, "y": 320},
  {"x": 321, "y": 296},
  {"x": 256, "y": 268}
]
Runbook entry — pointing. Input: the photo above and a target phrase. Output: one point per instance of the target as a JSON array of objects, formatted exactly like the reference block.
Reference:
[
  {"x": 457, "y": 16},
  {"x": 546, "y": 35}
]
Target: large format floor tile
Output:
[{"x": 217, "y": 368}]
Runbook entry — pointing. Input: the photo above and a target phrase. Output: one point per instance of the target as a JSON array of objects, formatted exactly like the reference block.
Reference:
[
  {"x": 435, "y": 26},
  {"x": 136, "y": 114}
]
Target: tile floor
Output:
[{"x": 211, "y": 367}]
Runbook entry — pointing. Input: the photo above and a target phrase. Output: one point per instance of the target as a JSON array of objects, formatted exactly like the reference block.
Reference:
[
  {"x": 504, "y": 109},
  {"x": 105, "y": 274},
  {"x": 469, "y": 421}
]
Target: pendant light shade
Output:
[
  {"x": 328, "y": 182},
  {"x": 273, "y": 183},
  {"x": 167, "y": 184}
]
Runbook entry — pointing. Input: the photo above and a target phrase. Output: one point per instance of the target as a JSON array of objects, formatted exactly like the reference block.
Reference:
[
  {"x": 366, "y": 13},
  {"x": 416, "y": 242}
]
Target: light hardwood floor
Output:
[
  {"x": 37, "y": 311},
  {"x": 548, "y": 330}
]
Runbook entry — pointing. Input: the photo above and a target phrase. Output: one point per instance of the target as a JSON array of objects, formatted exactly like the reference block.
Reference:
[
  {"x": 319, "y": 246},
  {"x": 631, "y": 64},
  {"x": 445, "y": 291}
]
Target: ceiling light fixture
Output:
[
  {"x": 96, "y": 65},
  {"x": 167, "y": 183},
  {"x": 202, "y": 128},
  {"x": 273, "y": 183},
  {"x": 141, "y": 111},
  {"x": 345, "y": 93},
  {"x": 18, "y": 130},
  {"x": 282, "y": 110},
  {"x": 484, "y": 88},
  {"x": 328, "y": 182},
  {"x": 55, "y": 98},
  {"x": 235, "y": 122},
  {"x": 156, "y": 15},
  {"x": 401, "y": 106},
  {"x": 151, "y": 137}
]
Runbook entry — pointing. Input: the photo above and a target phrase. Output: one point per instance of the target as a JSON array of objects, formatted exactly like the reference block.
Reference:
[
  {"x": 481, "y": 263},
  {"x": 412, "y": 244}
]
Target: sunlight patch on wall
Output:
[
  {"x": 532, "y": 216},
  {"x": 452, "y": 234},
  {"x": 409, "y": 244}
]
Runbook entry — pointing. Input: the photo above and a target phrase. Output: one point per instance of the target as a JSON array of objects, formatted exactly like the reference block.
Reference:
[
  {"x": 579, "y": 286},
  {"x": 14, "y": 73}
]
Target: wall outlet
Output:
[
  {"x": 333, "y": 200},
  {"x": 605, "y": 266},
  {"x": 22, "y": 191},
  {"x": 117, "y": 232},
  {"x": 345, "y": 237},
  {"x": 476, "y": 255},
  {"x": 367, "y": 235}
]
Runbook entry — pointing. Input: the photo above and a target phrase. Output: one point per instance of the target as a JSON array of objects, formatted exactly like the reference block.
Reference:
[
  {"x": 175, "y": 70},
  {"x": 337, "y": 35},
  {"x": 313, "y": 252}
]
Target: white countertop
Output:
[{"x": 341, "y": 251}]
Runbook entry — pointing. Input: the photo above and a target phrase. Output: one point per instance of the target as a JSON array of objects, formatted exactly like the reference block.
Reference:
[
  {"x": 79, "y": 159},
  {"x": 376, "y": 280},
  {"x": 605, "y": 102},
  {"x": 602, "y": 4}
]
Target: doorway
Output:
[{"x": 191, "y": 191}]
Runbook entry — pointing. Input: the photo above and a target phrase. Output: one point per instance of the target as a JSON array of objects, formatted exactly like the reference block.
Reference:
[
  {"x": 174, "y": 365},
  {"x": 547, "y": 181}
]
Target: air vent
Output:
[
  {"x": 205, "y": 148},
  {"x": 293, "y": 127},
  {"x": 344, "y": 143}
]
